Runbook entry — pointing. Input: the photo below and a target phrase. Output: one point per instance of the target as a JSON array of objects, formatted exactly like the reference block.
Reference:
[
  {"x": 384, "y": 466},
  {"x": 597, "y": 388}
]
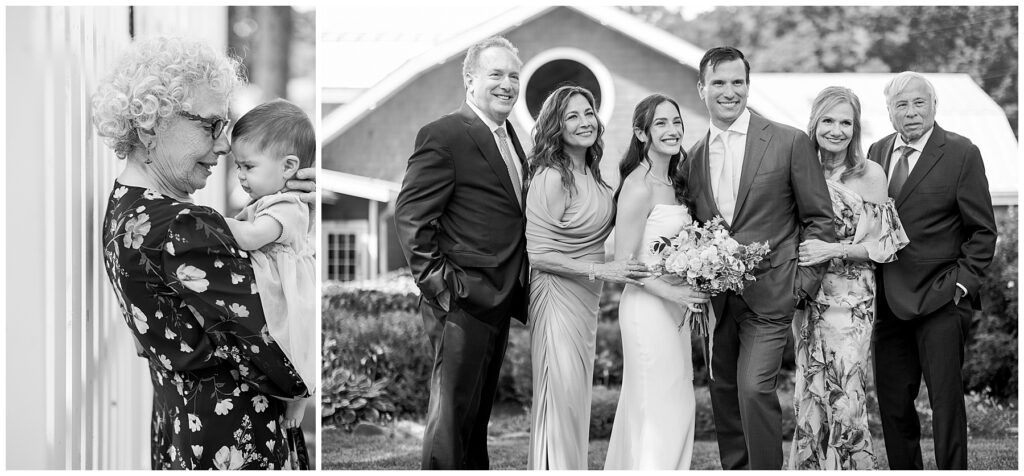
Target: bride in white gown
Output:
[{"x": 654, "y": 420}]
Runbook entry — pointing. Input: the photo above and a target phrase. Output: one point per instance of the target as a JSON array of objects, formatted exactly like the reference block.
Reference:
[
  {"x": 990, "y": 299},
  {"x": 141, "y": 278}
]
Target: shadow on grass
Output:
[
  {"x": 396, "y": 451},
  {"x": 992, "y": 438}
]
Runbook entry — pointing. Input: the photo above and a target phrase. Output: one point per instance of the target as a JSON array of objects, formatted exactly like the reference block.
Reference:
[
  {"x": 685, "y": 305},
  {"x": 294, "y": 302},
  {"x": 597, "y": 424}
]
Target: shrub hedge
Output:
[{"x": 991, "y": 367}]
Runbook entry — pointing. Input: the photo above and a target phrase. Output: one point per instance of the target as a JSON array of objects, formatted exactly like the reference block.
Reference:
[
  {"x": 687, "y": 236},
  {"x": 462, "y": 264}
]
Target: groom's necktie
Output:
[
  {"x": 900, "y": 173},
  {"x": 726, "y": 192},
  {"x": 506, "y": 155}
]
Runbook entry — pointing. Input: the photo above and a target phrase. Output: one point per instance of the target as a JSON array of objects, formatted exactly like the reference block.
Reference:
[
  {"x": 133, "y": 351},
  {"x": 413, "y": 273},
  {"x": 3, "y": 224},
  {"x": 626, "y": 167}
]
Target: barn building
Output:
[{"x": 370, "y": 123}]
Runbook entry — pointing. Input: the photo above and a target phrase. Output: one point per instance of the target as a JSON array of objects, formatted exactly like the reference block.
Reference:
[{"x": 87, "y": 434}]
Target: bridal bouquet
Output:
[{"x": 708, "y": 259}]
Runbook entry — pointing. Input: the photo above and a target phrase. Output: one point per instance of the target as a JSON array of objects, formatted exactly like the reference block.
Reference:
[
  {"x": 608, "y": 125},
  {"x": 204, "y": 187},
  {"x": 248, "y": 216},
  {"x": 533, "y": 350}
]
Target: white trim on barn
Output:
[
  {"x": 371, "y": 233},
  {"x": 358, "y": 186},
  {"x": 670, "y": 45}
]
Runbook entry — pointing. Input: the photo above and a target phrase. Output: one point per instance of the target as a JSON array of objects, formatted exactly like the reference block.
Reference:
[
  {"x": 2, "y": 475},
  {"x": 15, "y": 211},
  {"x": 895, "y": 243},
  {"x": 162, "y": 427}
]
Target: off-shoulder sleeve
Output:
[
  {"x": 582, "y": 225},
  {"x": 880, "y": 231},
  {"x": 204, "y": 266},
  {"x": 289, "y": 211}
]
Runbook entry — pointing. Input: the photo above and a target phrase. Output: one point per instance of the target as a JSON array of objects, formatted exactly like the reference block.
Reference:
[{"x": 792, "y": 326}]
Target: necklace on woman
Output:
[
  {"x": 660, "y": 180},
  {"x": 833, "y": 168},
  {"x": 654, "y": 176},
  {"x": 832, "y": 173}
]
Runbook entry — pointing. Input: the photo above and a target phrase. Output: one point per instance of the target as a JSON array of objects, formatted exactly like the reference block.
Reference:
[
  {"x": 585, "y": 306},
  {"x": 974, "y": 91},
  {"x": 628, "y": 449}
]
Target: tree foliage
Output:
[{"x": 977, "y": 40}]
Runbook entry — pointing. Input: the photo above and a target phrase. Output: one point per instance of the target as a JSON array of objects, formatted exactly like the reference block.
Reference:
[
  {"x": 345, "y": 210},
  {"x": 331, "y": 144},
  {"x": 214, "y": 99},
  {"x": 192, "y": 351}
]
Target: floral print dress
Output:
[
  {"x": 832, "y": 342},
  {"x": 188, "y": 296}
]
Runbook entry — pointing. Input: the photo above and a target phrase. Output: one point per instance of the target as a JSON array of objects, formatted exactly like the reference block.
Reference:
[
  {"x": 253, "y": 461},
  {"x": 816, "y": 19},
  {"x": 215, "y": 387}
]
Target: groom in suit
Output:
[
  {"x": 460, "y": 220},
  {"x": 926, "y": 296},
  {"x": 764, "y": 179}
]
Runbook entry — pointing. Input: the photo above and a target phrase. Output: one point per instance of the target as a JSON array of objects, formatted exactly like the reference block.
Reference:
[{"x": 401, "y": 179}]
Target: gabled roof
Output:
[
  {"x": 963, "y": 107},
  {"x": 670, "y": 45}
]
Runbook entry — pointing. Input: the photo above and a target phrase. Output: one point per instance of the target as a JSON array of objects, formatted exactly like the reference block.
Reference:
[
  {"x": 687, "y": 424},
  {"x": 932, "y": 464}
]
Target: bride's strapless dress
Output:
[{"x": 654, "y": 420}]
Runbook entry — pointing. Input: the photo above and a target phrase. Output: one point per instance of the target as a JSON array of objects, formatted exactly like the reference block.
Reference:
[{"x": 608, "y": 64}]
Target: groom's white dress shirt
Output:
[{"x": 725, "y": 159}]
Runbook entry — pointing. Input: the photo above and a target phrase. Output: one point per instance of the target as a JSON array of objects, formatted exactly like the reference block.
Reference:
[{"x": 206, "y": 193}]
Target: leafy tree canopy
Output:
[{"x": 978, "y": 40}]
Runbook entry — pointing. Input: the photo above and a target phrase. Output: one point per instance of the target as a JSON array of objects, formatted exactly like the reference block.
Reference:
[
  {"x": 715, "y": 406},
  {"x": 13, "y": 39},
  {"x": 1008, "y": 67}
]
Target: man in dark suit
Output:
[
  {"x": 924, "y": 309},
  {"x": 764, "y": 179},
  {"x": 460, "y": 220}
]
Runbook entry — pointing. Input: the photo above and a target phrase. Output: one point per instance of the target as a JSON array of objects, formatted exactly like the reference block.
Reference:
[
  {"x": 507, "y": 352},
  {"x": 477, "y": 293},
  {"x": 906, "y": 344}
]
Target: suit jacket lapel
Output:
[
  {"x": 515, "y": 143},
  {"x": 929, "y": 157},
  {"x": 758, "y": 136},
  {"x": 887, "y": 155},
  {"x": 484, "y": 139},
  {"x": 703, "y": 178},
  {"x": 522, "y": 161}
]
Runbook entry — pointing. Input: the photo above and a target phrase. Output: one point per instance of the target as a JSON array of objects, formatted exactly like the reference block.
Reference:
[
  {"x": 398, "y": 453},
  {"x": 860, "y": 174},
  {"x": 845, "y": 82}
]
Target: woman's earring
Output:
[
  {"x": 149, "y": 147},
  {"x": 149, "y": 157}
]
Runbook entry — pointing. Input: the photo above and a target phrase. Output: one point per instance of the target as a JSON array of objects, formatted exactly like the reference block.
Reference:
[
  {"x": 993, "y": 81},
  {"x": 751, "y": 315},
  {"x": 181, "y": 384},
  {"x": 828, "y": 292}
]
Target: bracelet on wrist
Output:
[
  {"x": 846, "y": 253},
  {"x": 591, "y": 274}
]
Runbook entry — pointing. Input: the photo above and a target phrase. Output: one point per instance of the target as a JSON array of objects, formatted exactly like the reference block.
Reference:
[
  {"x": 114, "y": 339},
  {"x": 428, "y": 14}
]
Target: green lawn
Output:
[{"x": 401, "y": 451}]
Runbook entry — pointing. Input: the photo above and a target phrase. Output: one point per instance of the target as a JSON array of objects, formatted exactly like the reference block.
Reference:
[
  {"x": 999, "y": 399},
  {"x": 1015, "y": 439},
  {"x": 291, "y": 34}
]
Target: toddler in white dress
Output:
[{"x": 270, "y": 143}]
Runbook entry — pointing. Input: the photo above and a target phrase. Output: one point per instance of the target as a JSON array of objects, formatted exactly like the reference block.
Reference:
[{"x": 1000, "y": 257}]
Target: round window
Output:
[
  {"x": 555, "y": 74},
  {"x": 559, "y": 67}
]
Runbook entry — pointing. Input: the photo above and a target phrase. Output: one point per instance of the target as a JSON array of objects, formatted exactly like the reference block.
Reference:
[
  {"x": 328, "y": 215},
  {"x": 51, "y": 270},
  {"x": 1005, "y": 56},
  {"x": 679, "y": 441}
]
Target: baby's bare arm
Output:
[{"x": 253, "y": 235}]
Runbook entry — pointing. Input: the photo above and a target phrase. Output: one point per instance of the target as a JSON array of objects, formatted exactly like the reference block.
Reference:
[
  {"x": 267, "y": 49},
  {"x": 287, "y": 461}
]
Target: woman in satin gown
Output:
[
  {"x": 569, "y": 215},
  {"x": 834, "y": 336},
  {"x": 654, "y": 420}
]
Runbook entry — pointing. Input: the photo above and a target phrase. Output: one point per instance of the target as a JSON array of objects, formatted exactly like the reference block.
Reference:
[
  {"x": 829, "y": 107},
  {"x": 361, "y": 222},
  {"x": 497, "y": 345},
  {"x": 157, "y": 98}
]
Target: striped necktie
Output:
[
  {"x": 900, "y": 173},
  {"x": 506, "y": 155}
]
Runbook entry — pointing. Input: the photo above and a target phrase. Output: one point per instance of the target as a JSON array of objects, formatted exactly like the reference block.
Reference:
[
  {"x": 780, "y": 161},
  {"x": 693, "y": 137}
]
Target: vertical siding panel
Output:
[
  {"x": 103, "y": 46},
  {"x": 61, "y": 243},
  {"x": 53, "y": 413},
  {"x": 29, "y": 421},
  {"x": 372, "y": 240},
  {"x": 77, "y": 239},
  {"x": 90, "y": 296}
]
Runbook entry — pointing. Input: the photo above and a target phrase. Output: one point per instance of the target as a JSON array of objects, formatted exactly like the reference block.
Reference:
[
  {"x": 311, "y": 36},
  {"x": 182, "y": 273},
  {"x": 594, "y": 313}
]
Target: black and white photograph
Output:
[
  {"x": 162, "y": 307},
  {"x": 669, "y": 237},
  {"x": 402, "y": 236}
]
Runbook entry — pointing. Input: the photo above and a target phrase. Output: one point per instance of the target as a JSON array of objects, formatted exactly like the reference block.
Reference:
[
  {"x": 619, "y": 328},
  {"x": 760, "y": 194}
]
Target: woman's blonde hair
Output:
[
  {"x": 828, "y": 98},
  {"x": 156, "y": 78}
]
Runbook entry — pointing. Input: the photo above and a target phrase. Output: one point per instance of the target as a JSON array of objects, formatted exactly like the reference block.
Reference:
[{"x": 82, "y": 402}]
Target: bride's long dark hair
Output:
[{"x": 643, "y": 118}]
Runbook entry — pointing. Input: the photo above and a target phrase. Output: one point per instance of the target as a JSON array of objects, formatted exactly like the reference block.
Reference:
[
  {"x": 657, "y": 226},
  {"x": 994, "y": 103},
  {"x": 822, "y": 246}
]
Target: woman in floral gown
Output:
[
  {"x": 834, "y": 336},
  {"x": 185, "y": 288}
]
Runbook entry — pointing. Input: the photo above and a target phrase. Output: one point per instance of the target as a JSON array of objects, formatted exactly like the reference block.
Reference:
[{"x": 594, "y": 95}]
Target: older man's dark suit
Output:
[
  {"x": 946, "y": 210},
  {"x": 462, "y": 231},
  {"x": 782, "y": 199}
]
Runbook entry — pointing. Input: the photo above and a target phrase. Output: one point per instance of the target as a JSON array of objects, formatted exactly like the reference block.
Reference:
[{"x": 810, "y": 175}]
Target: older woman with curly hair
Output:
[
  {"x": 569, "y": 214},
  {"x": 185, "y": 287}
]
